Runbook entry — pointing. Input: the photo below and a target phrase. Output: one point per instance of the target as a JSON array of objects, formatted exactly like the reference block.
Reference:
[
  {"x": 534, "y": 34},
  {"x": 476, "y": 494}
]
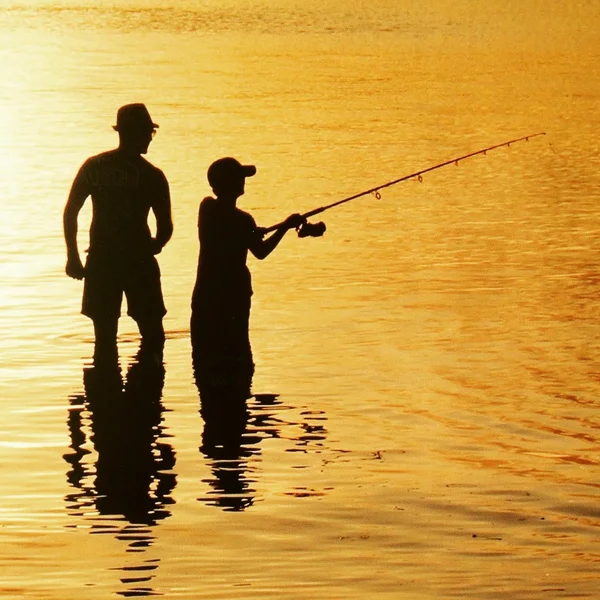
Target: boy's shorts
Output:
[{"x": 106, "y": 280}]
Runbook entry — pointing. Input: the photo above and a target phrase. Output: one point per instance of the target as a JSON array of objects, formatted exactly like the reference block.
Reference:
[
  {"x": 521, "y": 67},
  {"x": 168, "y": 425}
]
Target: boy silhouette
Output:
[{"x": 222, "y": 295}]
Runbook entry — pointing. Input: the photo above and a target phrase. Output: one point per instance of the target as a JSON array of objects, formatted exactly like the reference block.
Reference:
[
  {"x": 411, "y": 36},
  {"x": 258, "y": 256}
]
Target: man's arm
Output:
[
  {"x": 77, "y": 197},
  {"x": 164, "y": 221},
  {"x": 261, "y": 248}
]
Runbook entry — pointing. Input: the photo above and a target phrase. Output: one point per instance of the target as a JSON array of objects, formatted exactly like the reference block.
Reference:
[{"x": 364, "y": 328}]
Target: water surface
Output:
[{"x": 424, "y": 421}]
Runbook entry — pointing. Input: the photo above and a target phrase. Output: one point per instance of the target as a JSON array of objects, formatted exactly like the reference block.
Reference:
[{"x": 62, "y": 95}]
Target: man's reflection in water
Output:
[
  {"x": 235, "y": 422},
  {"x": 132, "y": 476}
]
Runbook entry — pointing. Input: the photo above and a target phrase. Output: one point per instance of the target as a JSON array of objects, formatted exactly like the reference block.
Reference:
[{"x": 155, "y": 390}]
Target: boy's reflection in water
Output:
[
  {"x": 224, "y": 392},
  {"x": 235, "y": 422},
  {"x": 132, "y": 476}
]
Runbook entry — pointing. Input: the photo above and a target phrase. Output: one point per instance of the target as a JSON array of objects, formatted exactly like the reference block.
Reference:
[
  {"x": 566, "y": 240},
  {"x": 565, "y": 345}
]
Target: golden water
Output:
[{"x": 436, "y": 355}]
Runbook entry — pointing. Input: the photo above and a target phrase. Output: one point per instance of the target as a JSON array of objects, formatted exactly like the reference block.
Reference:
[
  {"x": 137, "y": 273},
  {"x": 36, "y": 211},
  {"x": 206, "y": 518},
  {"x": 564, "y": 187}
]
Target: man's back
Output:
[{"x": 123, "y": 189}]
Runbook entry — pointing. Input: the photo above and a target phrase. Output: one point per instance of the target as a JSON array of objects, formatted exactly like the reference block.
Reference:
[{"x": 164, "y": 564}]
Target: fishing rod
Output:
[{"x": 318, "y": 229}]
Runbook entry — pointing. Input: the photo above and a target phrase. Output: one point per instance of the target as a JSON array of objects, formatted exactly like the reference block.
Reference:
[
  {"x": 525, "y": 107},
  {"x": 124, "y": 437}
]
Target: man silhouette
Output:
[{"x": 124, "y": 187}]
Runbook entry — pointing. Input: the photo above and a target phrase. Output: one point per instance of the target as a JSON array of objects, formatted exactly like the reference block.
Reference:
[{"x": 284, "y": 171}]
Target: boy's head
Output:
[{"x": 227, "y": 176}]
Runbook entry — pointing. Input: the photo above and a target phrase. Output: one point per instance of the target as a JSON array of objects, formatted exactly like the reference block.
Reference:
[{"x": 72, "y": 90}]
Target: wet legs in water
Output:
[
  {"x": 153, "y": 337},
  {"x": 105, "y": 348}
]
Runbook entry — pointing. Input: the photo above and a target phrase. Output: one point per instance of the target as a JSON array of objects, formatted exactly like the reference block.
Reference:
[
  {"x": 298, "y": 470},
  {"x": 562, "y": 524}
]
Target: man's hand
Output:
[
  {"x": 74, "y": 268},
  {"x": 156, "y": 246},
  {"x": 294, "y": 221}
]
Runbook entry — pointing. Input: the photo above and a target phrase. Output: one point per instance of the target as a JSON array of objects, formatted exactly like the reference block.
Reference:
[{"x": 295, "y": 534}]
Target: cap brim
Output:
[{"x": 248, "y": 170}]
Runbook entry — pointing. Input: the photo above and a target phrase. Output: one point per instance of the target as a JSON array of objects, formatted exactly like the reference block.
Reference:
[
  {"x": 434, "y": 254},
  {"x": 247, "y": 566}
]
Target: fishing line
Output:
[{"x": 318, "y": 229}]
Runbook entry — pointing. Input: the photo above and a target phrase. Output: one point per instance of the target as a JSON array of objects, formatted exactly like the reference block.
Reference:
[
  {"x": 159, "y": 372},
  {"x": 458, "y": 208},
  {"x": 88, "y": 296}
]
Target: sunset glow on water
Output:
[{"x": 424, "y": 422}]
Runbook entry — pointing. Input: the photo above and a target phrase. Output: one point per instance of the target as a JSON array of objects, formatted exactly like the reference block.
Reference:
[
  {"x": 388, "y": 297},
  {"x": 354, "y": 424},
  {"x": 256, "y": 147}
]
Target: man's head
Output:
[
  {"x": 135, "y": 126},
  {"x": 227, "y": 176}
]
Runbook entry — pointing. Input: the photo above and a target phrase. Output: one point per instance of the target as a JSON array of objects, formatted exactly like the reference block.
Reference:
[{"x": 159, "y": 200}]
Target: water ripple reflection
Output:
[
  {"x": 236, "y": 422},
  {"x": 120, "y": 462}
]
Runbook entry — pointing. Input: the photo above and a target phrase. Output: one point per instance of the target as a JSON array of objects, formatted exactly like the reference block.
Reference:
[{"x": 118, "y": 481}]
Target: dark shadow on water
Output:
[
  {"x": 236, "y": 421},
  {"x": 121, "y": 466},
  {"x": 223, "y": 406}
]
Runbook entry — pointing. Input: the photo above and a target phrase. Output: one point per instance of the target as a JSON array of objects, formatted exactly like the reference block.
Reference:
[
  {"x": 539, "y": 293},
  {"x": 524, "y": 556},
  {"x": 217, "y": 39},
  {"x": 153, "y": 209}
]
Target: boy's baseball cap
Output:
[{"x": 228, "y": 168}]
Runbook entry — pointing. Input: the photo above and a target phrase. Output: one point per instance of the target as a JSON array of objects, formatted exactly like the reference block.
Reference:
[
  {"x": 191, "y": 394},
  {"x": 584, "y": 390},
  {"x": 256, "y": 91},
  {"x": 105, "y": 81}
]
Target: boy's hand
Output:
[{"x": 294, "y": 221}]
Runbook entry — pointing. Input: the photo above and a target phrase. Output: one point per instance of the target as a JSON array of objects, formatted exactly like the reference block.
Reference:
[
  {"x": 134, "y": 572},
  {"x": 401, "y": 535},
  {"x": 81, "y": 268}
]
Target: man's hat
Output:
[
  {"x": 133, "y": 116},
  {"x": 228, "y": 168}
]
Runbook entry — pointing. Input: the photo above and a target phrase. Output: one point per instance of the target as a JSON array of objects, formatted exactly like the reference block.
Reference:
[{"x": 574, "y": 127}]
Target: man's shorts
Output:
[{"x": 107, "y": 279}]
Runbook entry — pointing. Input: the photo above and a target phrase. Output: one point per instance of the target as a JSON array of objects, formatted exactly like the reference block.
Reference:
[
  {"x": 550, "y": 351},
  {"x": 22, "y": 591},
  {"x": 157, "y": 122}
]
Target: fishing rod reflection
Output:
[
  {"x": 236, "y": 421},
  {"x": 131, "y": 478}
]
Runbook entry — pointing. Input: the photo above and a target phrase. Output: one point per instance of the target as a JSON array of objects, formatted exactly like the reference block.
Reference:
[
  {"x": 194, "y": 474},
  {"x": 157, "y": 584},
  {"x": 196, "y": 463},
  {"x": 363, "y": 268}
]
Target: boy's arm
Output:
[
  {"x": 261, "y": 248},
  {"x": 77, "y": 197}
]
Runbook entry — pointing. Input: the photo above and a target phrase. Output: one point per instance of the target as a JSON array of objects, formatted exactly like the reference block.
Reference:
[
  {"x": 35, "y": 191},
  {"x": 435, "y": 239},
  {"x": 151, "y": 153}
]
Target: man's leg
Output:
[
  {"x": 153, "y": 335},
  {"x": 105, "y": 347},
  {"x": 145, "y": 305},
  {"x": 102, "y": 297}
]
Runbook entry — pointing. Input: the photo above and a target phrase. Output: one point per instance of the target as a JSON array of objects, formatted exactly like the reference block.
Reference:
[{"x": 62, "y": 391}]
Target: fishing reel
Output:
[{"x": 311, "y": 229}]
